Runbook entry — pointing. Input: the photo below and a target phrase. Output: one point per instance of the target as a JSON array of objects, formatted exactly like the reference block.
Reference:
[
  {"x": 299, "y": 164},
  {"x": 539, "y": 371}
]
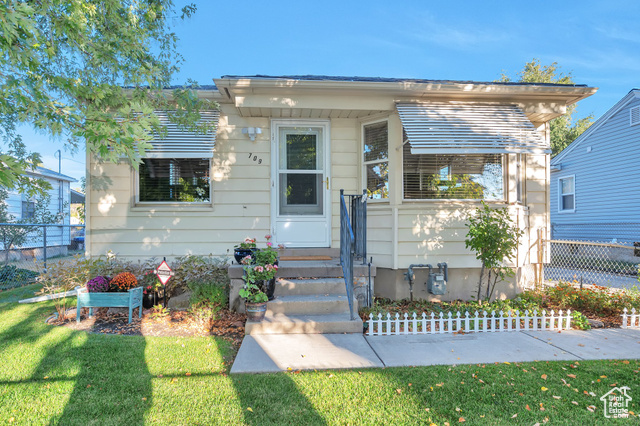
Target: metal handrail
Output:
[
  {"x": 346, "y": 252},
  {"x": 353, "y": 238}
]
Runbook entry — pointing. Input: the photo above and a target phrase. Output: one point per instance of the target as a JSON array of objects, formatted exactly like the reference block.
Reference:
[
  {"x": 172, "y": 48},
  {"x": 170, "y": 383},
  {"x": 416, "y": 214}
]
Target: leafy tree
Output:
[
  {"x": 89, "y": 70},
  {"x": 494, "y": 237},
  {"x": 564, "y": 129}
]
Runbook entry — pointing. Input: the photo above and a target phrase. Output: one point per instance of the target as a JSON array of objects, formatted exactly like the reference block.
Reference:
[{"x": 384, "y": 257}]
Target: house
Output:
[
  {"x": 595, "y": 180},
  {"x": 22, "y": 207},
  {"x": 426, "y": 152}
]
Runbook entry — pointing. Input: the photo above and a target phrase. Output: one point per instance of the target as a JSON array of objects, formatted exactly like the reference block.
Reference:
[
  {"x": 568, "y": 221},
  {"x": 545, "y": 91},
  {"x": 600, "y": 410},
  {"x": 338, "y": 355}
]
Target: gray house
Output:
[{"x": 595, "y": 181}]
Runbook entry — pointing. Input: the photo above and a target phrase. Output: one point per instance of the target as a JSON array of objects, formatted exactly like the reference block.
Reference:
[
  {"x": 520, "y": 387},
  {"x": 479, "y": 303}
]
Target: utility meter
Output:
[{"x": 437, "y": 281}]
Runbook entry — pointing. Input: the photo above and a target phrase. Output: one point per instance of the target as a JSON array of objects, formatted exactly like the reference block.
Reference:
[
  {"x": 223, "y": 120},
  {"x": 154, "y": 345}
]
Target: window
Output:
[
  {"x": 376, "y": 160},
  {"x": 567, "y": 194},
  {"x": 28, "y": 210},
  {"x": 452, "y": 176},
  {"x": 174, "y": 180}
]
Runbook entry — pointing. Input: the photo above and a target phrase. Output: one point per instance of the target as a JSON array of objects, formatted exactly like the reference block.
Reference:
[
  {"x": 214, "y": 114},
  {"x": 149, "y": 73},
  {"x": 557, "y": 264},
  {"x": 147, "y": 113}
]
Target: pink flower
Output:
[
  {"x": 268, "y": 267},
  {"x": 246, "y": 260},
  {"x": 275, "y": 267},
  {"x": 258, "y": 268},
  {"x": 269, "y": 244},
  {"x": 267, "y": 237}
]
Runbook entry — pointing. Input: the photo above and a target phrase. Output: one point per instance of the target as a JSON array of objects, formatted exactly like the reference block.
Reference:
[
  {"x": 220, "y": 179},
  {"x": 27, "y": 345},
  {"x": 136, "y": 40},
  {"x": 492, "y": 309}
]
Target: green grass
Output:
[{"x": 56, "y": 375}]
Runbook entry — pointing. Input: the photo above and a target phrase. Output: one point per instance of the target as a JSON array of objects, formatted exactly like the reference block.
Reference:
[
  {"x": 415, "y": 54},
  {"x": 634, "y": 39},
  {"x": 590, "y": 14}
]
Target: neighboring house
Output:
[
  {"x": 425, "y": 151},
  {"x": 23, "y": 208},
  {"x": 595, "y": 180}
]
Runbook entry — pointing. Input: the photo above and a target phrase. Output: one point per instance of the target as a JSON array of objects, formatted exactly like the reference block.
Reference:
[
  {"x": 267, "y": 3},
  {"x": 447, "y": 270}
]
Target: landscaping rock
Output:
[
  {"x": 596, "y": 323},
  {"x": 180, "y": 303}
]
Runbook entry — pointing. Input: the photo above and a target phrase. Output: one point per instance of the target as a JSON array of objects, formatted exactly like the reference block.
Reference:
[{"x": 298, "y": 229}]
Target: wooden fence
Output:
[
  {"x": 630, "y": 320},
  {"x": 480, "y": 322}
]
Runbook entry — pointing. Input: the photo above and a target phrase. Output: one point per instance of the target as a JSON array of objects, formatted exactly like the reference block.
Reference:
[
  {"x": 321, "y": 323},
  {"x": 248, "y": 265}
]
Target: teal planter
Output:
[{"x": 131, "y": 299}]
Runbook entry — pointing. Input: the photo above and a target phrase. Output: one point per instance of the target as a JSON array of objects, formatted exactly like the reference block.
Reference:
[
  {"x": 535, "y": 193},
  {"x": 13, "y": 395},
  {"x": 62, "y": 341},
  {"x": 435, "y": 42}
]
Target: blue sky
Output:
[{"x": 598, "y": 42}]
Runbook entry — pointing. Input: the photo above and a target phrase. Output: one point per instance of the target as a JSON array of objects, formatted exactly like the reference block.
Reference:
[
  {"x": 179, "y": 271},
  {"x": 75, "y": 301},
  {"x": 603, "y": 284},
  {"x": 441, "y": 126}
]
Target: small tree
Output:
[{"x": 494, "y": 237}]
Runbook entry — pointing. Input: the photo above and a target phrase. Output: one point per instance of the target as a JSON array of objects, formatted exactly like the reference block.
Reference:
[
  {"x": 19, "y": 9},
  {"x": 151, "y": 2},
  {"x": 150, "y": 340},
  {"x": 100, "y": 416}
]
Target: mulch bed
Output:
[{"x": 226, "y": 324}]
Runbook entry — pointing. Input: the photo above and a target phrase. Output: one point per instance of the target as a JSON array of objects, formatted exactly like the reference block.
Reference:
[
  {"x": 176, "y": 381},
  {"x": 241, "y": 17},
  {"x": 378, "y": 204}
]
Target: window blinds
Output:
[{"x": 182, "y": 144}]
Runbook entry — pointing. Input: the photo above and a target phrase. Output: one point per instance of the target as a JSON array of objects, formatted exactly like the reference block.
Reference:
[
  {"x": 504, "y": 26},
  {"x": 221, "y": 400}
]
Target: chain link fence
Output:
[
  {"x": 26, "y": 249},
  {"x": 592, "y": 262}
]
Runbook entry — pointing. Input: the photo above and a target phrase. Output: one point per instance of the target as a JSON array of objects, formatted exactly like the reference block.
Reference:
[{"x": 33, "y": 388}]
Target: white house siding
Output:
[
  {"x": 606, "y": 183},
  {"x": 240, "y": 193}
]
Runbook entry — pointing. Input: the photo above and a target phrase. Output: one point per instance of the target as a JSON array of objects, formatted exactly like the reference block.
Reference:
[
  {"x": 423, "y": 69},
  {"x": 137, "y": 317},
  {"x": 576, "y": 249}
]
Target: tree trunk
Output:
[
  {"x": 488, "y": 285},
  {"x": 480, "y": 282}
]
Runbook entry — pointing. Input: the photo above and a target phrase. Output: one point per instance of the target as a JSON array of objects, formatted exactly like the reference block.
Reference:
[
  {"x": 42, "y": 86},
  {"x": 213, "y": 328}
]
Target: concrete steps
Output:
[{"x": 307, "y": 305}]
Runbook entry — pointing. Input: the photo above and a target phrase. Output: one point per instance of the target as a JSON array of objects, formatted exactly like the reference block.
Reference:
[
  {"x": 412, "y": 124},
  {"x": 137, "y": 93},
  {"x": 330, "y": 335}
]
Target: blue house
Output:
[{"x": 595, "y": 181}]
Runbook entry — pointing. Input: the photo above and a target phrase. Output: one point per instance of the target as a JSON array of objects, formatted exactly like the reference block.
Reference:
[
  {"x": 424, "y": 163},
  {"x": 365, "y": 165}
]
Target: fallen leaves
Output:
[
  {"x": 544, "y": 377},
  {"x": 544, "y": 389}
]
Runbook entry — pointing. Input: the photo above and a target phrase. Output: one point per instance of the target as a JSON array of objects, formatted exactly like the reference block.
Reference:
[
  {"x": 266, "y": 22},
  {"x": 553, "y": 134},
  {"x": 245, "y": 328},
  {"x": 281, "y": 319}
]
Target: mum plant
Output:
[
  {"x": 99, "y": 284},
  {"x": 124, "y": 281}
]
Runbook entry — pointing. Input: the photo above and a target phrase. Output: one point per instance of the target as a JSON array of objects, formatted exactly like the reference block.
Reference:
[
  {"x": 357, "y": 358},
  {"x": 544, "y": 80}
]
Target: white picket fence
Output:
[
  {"x": 630, "y": 320},
  {"x": 480, "y": 322}
]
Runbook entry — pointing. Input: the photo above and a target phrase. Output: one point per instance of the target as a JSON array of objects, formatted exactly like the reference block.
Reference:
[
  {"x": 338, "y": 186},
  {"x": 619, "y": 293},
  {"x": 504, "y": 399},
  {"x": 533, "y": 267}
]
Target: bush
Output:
[
  {"x": 197, "y": 269},
  {"x": 98, "y": 284},
  {"x": 123, "y": 282},
  {"x": 211, "y": 295},
  {"x": 12, "y": 276}
]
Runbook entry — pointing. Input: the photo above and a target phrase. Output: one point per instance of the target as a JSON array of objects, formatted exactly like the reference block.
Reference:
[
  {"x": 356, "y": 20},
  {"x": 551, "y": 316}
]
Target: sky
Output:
[{"x": 597, "y": 42}]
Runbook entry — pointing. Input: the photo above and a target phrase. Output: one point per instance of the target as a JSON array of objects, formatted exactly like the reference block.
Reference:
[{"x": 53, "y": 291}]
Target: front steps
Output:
[{"x": 310, "y": 298}]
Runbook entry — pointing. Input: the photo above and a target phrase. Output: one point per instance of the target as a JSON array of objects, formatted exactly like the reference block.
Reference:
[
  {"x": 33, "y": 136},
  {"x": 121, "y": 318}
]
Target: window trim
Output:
[
  {"x": 505, "y": 177},
  {"x": 32, "y": 203},
  {"x": 172, "y": 205},
  {"x": 560, "y": 194},
  {"x": 364, "y": 164}
]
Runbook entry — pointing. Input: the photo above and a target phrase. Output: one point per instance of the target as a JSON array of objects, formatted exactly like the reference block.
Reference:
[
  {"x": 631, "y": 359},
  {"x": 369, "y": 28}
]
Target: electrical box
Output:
[{"x": 436, "y": 283}]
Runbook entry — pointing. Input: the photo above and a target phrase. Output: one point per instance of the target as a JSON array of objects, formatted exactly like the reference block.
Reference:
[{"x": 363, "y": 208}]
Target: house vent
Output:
[{"x": 635, "y": 115}]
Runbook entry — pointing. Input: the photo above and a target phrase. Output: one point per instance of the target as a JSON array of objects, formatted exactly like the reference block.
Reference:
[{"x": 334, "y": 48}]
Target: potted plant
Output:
[
  {"x": 244, "y": 249},
  {"x": 255, "y": 299},
  {"x": 151, "y": 287},
  {"x": 267, "y": 259}
]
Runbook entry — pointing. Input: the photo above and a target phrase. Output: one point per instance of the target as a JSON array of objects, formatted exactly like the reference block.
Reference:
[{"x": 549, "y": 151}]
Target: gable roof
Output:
[
  {"x": 44, "y": 172},
  {"x": 633, "y": 94}
]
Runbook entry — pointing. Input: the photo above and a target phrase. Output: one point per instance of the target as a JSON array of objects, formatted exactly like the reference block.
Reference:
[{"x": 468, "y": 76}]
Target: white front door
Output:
[{"x": 300, "y": 198}]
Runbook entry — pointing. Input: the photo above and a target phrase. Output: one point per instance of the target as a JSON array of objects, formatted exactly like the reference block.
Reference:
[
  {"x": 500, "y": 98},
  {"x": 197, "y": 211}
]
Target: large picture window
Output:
[
  {"x": 452, "y": 176},
  {"x": 376, "y": 160},
  {"x": 174, "y": 180}
]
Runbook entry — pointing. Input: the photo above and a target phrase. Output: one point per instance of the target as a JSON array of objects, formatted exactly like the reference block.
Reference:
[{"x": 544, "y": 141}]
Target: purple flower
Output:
[{"x": 98, "y": 284}]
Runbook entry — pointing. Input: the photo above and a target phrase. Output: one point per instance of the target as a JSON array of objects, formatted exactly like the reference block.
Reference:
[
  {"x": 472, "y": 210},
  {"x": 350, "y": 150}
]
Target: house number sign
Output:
[{"x": 255, "y": 158}]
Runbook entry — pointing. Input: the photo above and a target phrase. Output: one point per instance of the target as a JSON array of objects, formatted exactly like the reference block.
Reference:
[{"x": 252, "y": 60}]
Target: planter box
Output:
[{"x": 131, "y": 299}]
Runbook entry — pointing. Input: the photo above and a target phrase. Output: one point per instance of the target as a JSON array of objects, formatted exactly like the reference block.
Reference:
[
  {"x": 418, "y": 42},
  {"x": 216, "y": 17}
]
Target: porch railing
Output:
[{"x": 353, "y": 215}]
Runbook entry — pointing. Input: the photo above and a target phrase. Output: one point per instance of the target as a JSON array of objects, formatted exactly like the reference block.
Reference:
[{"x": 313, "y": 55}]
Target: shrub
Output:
[
  {"x": 211, "y": 295},
  {"x": 123, "y": 282},
  {"x": 98, "y": 284},
  {"x": 202, "y": 269}
]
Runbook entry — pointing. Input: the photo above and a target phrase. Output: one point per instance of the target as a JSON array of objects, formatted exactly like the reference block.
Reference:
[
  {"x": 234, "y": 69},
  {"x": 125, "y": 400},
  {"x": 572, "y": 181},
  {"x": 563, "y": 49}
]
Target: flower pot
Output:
[
  {"x": 255, "y": 311},
  {"x": 269, "y": 287},
  {"x": 241, "y": 253},
  {"x": 150, "y": 300}
]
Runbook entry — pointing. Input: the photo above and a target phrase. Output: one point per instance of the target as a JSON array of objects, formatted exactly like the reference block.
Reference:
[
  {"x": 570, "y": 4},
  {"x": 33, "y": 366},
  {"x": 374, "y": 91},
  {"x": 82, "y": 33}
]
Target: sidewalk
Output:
[{"x": 283, "y": 352}]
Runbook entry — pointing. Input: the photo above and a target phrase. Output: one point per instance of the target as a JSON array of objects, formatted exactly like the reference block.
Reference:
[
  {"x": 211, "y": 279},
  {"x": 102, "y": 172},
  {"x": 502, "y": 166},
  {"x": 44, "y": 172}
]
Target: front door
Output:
[{"x": 300, "y": 184}]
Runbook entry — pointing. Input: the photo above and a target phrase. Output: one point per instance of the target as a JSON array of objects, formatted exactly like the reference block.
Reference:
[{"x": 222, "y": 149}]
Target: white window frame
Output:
[
  {"x": 364, "y": 163},
  {"x": 505, "y": 178},
  {"x": 172, "y": 204},
  {"x": 560, "y": 194}
]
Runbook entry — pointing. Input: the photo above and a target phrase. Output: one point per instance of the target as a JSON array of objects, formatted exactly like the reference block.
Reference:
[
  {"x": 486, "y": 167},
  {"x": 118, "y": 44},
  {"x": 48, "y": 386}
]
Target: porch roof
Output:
[{"x": 310, "y": 96}]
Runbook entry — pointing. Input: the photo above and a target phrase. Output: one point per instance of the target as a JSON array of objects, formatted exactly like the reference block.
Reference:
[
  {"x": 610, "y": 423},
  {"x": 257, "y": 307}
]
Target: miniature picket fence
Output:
[
  {"x": 440, "y": 324},
  {"x": 630, "y": 320}
]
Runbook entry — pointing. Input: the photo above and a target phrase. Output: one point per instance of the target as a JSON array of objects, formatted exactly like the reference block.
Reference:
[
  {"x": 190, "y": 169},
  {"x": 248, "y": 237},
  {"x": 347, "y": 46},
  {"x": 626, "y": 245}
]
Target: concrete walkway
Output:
[{"x": 282, "y": 352}]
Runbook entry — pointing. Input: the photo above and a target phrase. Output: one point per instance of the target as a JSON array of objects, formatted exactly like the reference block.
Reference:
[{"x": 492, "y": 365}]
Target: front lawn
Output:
[{"x": 60, "y": 376}]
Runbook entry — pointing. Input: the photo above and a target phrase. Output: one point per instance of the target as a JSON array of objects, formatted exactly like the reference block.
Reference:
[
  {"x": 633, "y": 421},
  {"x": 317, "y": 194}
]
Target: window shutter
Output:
[
  {"x": 441, "y": 128},
  {"x": 634, "y": 115},
  {"x": 182, "y": 144}
]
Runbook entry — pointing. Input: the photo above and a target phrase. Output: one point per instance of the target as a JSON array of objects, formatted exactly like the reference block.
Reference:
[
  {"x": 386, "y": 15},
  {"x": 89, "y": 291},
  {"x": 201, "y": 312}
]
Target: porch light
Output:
[{"x": 252, "y": 132}]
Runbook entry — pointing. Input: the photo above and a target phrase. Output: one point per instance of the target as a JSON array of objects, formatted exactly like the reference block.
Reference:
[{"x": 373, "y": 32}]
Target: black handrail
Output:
[{"x": 352, "y": 244}]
